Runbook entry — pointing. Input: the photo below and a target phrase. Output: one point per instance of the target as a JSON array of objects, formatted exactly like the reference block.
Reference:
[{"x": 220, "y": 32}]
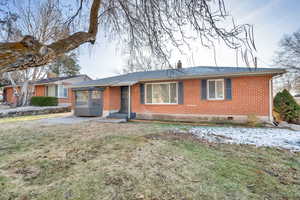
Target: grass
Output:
[{"x": 137, "y": 161}]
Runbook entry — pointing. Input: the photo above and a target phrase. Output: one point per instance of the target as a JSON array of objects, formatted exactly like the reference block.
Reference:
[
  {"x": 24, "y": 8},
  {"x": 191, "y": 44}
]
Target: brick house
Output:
[
  {"x": 51, "y": 86},
  {"x": 186, "y": 94}
]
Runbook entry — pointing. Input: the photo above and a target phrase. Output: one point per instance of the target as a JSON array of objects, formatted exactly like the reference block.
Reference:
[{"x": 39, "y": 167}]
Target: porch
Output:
[{"x": 104, "y": 101}]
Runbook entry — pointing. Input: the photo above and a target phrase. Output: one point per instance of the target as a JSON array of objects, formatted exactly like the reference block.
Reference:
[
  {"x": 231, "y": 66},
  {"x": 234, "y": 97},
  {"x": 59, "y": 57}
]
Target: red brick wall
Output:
[
  {"x": 69, "y": 99},
  {"x": 40, "y": 90},
  {"x": 112, "y": 98},
  {"x": 250, "y": 95}
]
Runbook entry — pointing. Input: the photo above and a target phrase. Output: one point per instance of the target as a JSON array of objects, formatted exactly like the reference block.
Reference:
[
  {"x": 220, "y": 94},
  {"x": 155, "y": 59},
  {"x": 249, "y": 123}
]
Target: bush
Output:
[
  {"x": 286, "y": 106},
  {"x": 44, "y": 101},
  {"x": 252, "y": 120}
]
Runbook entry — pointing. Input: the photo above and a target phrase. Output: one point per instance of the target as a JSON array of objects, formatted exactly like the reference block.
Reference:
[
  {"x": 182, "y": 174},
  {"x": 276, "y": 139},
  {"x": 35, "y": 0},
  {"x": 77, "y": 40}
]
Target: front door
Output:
[{"x": 124, "y": 99}]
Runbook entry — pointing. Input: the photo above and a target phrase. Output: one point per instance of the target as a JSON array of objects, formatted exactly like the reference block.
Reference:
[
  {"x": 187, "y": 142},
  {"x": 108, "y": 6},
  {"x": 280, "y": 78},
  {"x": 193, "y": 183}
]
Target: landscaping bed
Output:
[{"x": 33, "y": 110}]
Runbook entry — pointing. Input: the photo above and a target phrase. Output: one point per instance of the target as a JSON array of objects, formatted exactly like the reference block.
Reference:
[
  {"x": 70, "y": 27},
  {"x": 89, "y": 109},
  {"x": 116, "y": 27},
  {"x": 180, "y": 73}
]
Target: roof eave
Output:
[{"x": 273, "y": 72}]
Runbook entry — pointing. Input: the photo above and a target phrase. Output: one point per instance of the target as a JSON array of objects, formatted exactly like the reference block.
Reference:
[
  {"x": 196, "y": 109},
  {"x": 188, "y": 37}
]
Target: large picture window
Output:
[
  {"x": 161, "y": 93},
  {"x": 215, "y": 89}
]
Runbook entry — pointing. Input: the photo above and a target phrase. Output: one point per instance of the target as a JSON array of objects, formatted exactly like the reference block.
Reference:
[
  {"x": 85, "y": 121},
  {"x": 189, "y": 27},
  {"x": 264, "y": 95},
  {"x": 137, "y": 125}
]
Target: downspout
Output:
[
  {"x": 129, "y": 102},
  {"x": 271, "y": 100}
]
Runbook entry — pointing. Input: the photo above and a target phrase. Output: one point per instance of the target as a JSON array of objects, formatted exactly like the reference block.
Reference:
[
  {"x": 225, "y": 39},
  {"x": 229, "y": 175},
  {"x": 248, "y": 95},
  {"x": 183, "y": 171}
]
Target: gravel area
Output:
[{"x": 272, "y": 137}]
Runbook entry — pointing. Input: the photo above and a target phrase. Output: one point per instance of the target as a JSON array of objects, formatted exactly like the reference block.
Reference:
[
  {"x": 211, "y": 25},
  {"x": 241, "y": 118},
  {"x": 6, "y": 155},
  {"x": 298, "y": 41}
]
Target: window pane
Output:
[
  {"x": 82, "y": 98},
  {"x": 65, "y": 92},
  {"x": 60, "y": 91},
  {"x": 96, "y": 94},
  {"x": 96, "y": 97},
  {"x": 220, "y": 90},
  {"x": 51, "y": 91},
  {"x": 160, "y": 93},
  {"x": 173, "y": 92},
  {"x": 211, "y": 89},
  {"x": 149, "y": 93}
]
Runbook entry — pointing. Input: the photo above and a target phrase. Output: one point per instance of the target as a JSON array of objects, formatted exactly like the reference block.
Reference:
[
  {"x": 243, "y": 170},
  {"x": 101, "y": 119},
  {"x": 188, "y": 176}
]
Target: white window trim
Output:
[
  {"x": 207, "y": 89},
  {"x": 62, "y": 97},
  {"x": 169, "y": 83}
]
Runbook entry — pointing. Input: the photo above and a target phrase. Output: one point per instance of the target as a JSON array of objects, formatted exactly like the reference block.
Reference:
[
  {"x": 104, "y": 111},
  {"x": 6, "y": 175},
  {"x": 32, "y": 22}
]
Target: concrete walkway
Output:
[{"x": 71, "y": 119}]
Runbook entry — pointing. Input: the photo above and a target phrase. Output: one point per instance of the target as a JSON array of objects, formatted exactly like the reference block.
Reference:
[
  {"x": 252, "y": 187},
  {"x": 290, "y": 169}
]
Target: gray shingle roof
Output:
[
  {"x": 51, "y": 80},
  {"x": 169, "y": 74}
]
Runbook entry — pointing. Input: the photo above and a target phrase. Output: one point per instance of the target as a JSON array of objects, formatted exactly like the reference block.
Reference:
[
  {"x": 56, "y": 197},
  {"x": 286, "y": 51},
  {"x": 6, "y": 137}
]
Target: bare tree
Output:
[
  {"x": 140, "y": 24},
  {"x": 43, "y": 21},
  {"x": 288, "y": 56}
]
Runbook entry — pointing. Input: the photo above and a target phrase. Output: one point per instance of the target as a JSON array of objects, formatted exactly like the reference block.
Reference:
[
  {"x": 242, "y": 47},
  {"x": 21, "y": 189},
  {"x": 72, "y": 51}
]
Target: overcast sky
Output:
[{"x": 271, "y": 19}]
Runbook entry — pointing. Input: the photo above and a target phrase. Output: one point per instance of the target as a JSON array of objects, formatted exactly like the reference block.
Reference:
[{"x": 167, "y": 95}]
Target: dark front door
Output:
[{"x": 124, "y": 99}]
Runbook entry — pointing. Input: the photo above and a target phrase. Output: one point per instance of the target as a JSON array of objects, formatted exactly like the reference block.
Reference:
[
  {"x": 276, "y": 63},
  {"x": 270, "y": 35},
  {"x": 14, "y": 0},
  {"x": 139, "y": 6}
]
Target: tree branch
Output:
[{"x": 31, "y": 53}]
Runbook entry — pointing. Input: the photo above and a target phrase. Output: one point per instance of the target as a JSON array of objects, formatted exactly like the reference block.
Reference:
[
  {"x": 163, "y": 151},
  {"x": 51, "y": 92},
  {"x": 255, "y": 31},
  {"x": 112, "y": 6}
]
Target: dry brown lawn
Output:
[{"x": 136, "y": 161}]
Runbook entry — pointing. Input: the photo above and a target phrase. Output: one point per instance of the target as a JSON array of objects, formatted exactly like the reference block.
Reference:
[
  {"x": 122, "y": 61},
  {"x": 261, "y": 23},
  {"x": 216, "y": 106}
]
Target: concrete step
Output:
[{"x": 118, "y": 115}]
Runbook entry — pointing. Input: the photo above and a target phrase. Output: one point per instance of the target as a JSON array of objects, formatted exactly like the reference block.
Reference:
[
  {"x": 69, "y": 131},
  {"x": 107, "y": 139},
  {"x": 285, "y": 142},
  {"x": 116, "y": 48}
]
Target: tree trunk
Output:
[
  {"x": 31, "y": 53},
  {"x": 23, "y": 100},
  {"x": 15, "y": 90}
]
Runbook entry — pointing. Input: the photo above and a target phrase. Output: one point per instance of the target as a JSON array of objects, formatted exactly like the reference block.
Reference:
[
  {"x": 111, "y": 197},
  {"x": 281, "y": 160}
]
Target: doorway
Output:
[{"x": 124, "y": 99}]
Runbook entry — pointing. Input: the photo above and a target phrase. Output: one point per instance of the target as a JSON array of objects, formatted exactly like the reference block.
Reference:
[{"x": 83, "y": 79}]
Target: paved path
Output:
[{"x": 71, "y": 119}]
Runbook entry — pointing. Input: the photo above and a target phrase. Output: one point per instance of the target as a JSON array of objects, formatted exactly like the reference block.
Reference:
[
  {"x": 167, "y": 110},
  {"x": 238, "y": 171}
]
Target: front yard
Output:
[{"x": 92, "y": 160}]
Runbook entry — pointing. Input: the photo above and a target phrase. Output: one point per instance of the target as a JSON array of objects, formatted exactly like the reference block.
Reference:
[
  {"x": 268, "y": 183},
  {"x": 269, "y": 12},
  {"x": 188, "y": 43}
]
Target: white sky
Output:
[{"x": 271, "y": 19}]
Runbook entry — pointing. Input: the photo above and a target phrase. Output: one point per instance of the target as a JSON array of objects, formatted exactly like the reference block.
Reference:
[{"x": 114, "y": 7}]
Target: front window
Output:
[
  {"x": 62, "y": 92},
  {"x": 51, "y": 91},
  {"x": 161, "y": 93},
  {"x": 215, "y": 89}
]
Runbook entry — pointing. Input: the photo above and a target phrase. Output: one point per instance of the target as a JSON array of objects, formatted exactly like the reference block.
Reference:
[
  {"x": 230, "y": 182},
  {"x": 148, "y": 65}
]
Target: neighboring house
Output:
[
  {"x": 187, "y": 94},
  {"x": 52, "y": 86},
  {"x": 297, "y": 98}
]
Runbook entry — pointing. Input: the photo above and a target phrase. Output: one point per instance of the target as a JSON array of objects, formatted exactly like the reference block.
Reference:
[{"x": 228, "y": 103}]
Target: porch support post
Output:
[
  {"x": 129, "y": 102},
  {"x": 271, "y": 100}
]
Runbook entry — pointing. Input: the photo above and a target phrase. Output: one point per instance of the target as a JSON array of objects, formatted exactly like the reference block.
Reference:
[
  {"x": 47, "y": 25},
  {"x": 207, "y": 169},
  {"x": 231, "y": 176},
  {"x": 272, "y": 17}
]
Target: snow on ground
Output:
[{"x": 272, "y": 137}]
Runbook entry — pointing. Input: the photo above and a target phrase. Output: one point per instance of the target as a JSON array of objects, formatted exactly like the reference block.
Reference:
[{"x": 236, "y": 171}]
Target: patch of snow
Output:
[{"x": 271, "y": 137}]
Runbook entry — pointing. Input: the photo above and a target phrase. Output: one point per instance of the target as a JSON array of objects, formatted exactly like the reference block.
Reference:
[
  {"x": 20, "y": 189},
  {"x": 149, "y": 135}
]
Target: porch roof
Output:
[{"x": 176, "y": 74}]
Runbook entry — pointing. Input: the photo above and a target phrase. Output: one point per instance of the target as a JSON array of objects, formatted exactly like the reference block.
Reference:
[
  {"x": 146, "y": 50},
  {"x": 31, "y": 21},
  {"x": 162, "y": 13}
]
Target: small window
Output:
[
  {"x": 215, "y": 89},
  {"x": 161, "y": 93},
  {"x": 62, "y": 92}
]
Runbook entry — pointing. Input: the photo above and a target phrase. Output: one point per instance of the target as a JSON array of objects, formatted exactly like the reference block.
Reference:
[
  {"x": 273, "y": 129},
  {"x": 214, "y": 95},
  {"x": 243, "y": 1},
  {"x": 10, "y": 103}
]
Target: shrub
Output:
[
  {"x": 44, "y": 101},
  {"x": 252, "y": 120},
  {"x": 286, "y": 106}
]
